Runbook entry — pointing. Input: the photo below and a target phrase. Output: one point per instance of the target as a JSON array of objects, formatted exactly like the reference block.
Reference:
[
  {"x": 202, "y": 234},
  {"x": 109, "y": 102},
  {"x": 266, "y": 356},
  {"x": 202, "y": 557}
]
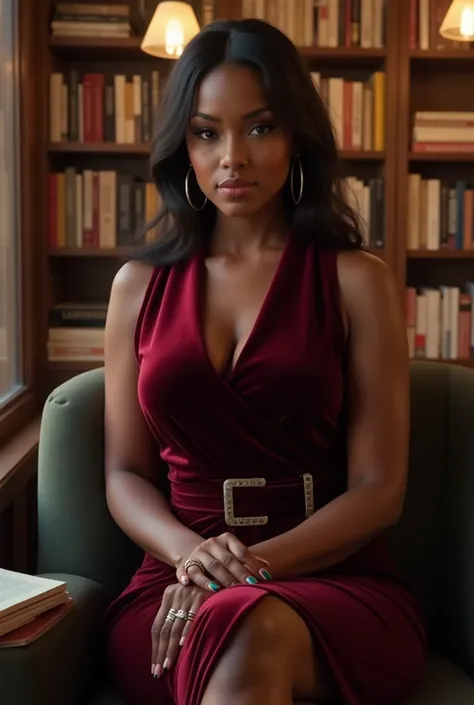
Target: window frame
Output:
[{"x": 22, "y": 406}]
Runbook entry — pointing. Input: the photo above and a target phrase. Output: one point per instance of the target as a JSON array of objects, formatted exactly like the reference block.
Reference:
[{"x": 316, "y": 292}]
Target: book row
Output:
[
  {"x": 106, "y": 209},
  {"x": 357, "y": 110},
  {"x": 441, "y": 214},
  {"x": 103, "y": 107},
  {"x": 99, "y": 209},
  {"x": 327, "y": 23},
  {"x": 440, "y": 322}
]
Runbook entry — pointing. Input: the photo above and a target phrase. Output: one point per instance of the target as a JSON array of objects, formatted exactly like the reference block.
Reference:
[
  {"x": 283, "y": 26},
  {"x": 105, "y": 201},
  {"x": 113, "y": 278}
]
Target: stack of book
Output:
[
  {"x": 76, "y": 332},
  {"x": 74, "y": 19},
  {"x": 443, "y": 131},
  {"x": 29, "y": 606}
]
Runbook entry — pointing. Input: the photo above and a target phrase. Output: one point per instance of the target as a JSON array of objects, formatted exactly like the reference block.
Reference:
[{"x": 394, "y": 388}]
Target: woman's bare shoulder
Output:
[
  {"x": 128, "y": 290},
  {"x": 357, "y": 266},
  {"x": 367, "y": 286}
]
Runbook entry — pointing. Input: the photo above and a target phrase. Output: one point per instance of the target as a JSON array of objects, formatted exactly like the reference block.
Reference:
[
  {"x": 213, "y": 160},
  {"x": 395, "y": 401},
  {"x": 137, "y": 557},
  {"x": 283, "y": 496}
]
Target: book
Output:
[
  {"x": 22, "y": 636},
  {"x": 23, "y": 597}
]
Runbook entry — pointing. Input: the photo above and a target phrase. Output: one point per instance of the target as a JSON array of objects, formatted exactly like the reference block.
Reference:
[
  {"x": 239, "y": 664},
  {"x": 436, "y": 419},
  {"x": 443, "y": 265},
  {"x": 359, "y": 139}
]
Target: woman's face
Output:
[{"x": 240, "y": 154}]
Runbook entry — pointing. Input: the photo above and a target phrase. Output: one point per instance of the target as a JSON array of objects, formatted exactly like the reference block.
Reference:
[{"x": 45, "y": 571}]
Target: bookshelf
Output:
[
  {"x": 414, "y": 79},
  {"x": 435, "y": 271}
]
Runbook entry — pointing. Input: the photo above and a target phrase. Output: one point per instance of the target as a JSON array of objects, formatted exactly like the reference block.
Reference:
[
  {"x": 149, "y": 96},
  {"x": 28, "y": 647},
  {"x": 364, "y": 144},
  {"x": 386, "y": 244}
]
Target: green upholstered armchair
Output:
[{"x": 79, "y": 542}]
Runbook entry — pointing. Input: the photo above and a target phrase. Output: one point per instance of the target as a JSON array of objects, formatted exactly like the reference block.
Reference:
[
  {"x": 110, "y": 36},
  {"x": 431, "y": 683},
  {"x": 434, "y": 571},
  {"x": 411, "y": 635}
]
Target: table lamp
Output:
[
  {"x": 172, "y": 26},
  {"x": 458, "y": 23}
]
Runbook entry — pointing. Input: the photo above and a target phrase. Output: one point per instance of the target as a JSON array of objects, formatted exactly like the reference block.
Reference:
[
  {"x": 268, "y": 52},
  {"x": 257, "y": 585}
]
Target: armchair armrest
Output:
[{"x": 63, "y": 665}]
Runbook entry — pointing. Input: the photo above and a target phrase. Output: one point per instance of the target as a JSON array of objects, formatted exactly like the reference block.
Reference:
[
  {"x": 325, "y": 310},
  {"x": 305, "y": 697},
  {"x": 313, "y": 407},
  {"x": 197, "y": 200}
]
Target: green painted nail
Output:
[
  {"x": 265, "y": 574},
  {"x": 214, "y": 586},
  {"x": 251, "y": 580}
]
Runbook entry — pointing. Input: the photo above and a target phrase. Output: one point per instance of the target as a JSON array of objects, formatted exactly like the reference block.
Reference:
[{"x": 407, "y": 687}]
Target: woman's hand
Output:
[
  {"x": 168, "y": 635},
  {"x": 222, "y": 561}
]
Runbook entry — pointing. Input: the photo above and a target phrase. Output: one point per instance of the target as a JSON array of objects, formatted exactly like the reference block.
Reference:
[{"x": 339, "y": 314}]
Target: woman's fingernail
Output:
[
  {"x": 166, "y": 664},
  {"x": 265, "y": 574},
  {"x": 158, "y": 671},
  {"x": 214, "y": 586},
  {"x": 251, "y": 580},
  {"x": 184, "y": 580},
  {"x": 182, "y": 640}
]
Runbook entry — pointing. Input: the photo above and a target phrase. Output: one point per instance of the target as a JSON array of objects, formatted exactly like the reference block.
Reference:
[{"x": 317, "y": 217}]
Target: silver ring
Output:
[
  {"x": 182, "y": 615},
  {"x": 171, "y": 616},
  {"x": 191, "y": 615}
]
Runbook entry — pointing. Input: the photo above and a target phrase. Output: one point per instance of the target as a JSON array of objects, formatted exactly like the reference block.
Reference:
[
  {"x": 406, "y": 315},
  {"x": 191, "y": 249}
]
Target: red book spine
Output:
[
  {"x": 88, "y": 109},
  {"x": 98, "y": 87}
]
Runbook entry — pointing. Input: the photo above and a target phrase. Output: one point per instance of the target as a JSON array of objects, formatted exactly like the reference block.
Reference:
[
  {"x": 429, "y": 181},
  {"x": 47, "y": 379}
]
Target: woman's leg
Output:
[{"x": 271, "y": 659}]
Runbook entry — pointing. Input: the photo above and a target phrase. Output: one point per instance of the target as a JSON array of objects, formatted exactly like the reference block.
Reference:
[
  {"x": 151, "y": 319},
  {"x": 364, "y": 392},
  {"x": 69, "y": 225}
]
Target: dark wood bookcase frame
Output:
[
  {"x": 65, "y": 270},
  {"x": 430, "y": 80}
]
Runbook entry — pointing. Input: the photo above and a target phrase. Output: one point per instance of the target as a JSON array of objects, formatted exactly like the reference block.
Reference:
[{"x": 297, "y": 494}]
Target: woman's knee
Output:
[
  {"x": 268, "y": 633},
  {"x": 270, "y": 626}
]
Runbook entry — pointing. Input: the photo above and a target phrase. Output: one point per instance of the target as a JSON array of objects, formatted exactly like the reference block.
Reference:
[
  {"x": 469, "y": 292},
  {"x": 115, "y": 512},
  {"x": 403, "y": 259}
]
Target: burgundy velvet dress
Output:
[{"x": 278, "y": 414}]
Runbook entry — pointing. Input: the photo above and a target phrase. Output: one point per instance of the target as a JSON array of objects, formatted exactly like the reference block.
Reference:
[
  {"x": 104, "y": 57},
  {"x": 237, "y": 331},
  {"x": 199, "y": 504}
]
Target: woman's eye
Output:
[
  {"x": 262, "y": 129},
  {"x": 205, "y": 133}
]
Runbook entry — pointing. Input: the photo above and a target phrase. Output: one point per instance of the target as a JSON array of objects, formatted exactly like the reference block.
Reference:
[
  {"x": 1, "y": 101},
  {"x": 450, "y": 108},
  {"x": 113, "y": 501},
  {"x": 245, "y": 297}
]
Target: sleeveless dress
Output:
[{"x": 279, "y": 413}]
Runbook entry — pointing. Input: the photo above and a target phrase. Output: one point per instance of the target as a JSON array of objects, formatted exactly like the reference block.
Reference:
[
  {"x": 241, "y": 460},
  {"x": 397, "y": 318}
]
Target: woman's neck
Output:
[{"x": 241, "y": 236}]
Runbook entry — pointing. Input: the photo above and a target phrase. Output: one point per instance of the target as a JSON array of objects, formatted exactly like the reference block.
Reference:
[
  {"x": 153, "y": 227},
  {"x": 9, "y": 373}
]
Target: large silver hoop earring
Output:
[
  {"x": 186, "y": 190},
  {"x": 296, "y": 197}
]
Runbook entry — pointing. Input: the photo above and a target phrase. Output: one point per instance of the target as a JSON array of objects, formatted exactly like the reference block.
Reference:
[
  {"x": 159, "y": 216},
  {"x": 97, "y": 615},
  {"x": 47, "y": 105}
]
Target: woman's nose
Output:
[{"x": 235, "y": 153}]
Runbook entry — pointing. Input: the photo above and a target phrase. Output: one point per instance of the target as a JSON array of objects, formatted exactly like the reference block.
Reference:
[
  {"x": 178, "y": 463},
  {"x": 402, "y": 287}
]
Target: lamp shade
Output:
[
  {"x": 458, "y": 23},
  {"x": 172, "y": 26}
]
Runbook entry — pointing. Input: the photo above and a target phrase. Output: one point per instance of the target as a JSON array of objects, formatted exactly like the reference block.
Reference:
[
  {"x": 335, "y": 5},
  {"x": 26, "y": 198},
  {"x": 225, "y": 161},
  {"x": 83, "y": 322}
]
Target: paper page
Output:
[{"x": 16, "y": 588}]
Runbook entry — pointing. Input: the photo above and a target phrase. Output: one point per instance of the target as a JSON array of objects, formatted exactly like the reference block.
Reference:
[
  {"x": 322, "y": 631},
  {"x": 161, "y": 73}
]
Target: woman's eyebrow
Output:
[{"x": 247, "y": 116}]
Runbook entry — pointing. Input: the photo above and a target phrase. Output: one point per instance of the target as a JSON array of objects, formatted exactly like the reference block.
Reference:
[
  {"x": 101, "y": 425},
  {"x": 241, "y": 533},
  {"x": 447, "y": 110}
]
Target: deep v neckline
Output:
[{"x": 230, "y": 370}]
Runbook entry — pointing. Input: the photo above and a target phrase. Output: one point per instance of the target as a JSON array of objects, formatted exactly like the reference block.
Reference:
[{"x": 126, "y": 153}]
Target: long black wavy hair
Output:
[{"x": 323, "y": 214}]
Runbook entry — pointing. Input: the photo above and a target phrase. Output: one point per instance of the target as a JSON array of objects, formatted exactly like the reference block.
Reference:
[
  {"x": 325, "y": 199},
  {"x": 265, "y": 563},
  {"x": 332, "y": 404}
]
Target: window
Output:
[{"x": 10, "y": 303}]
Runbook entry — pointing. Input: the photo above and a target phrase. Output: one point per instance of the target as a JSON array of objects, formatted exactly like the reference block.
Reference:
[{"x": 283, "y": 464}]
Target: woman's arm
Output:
[
  {"x": 378, "y": 430},
  {"x": 131, "y": 457}
]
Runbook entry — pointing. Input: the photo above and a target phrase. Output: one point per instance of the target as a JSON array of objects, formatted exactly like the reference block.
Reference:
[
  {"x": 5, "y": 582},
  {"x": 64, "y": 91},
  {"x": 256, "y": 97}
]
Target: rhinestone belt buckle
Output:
[{"x": 232, "y": 520}]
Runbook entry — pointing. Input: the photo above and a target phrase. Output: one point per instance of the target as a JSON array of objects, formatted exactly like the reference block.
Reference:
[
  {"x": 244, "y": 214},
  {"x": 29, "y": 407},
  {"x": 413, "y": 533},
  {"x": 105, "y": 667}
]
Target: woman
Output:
[{"x": 256, "y": 358}]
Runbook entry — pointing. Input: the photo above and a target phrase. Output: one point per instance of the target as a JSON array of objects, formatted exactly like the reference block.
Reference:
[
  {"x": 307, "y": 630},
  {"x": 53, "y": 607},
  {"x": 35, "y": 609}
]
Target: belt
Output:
[{"x": 253, "y": 493}]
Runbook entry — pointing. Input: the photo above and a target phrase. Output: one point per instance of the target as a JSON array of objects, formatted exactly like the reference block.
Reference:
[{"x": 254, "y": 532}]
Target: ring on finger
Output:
[
  {"x": 171, "y": 616},
  {"x": 194, "y": 561},
  {"x": 191, "y": 615},
  {"x": 182, "y": 614}
]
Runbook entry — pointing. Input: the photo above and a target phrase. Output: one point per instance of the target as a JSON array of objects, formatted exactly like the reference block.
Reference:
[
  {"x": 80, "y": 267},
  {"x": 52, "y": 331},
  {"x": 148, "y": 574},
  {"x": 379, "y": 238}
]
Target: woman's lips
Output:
[{"x": 236, "y": 188}]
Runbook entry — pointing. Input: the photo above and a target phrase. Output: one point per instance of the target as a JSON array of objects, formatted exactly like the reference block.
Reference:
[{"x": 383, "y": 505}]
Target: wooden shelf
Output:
[
  {"x": 440, "y": 254},
  {"x": 91, "y": 251},
  {"x": 98, "y": 148},
  {"x": 329, "y": 56},
  {"x": 74, "y": 365},
  {"x": 126, "y": 49},
  {"x": 362, "y": 156},
  {"x": 129, "y": 48},
  {"x": 459, "y": 59},
  {"x": 441, "y": 156},
  {"x": 145, "y": 150}
]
